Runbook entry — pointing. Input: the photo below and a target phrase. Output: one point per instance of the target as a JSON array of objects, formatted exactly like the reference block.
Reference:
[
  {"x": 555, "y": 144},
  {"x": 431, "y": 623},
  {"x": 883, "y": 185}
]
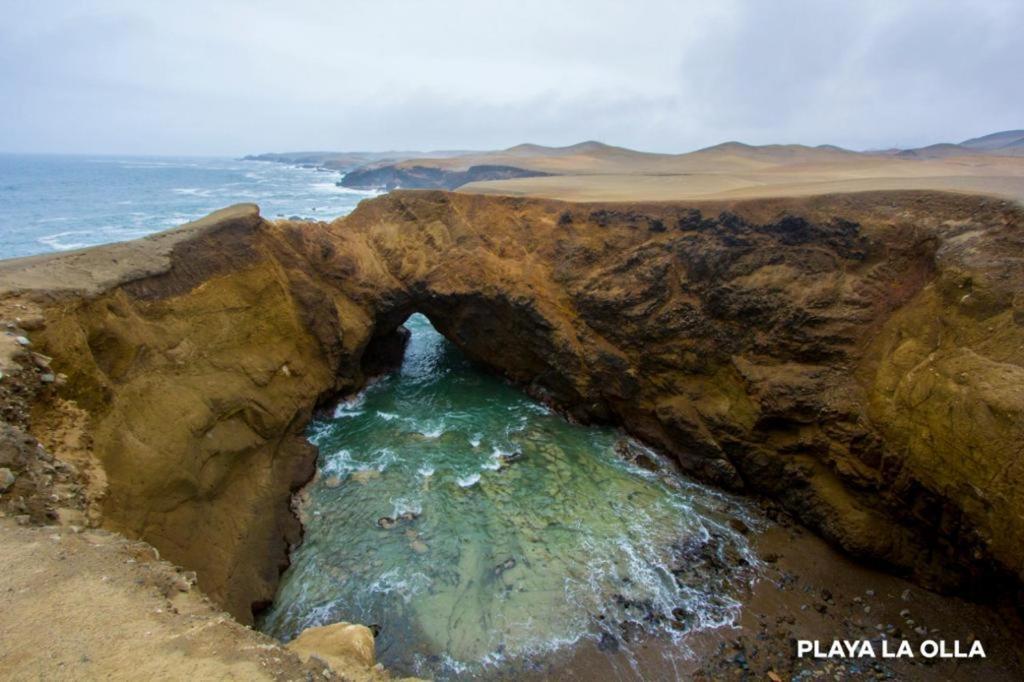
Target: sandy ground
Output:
[
  {"x": 94, "y": 606},
  {"x": 727, "y": 177}
]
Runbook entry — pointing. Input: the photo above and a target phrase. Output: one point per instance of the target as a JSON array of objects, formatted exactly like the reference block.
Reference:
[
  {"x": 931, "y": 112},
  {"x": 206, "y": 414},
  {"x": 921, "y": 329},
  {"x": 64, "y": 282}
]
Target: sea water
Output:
[
  {"x": 480, "y": 533},
  {"x": 55, "y": 203}
]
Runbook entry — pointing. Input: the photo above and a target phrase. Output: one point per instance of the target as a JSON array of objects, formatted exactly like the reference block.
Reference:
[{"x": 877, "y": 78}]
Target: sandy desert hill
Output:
[
  {"x": 737, "y": 170},
  {"x": 593, "y": 171}
]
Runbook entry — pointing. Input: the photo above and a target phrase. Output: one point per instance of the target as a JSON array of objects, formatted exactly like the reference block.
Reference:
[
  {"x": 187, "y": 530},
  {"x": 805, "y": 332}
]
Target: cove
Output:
[{"x": 481, "y": 534}]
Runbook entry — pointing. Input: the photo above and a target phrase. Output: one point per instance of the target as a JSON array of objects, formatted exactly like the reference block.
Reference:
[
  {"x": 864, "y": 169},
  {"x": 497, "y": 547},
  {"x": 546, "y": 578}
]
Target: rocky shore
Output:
[
  {"x": 855, "y": 358},
  {"x": 394, "y": 176}
]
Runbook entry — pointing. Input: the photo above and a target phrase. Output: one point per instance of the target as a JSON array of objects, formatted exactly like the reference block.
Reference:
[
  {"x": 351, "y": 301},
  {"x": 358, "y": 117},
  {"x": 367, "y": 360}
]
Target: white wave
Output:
[
  {"x": 425, "y": 471},
  {"x": 57, "y": 243},
  {"x": 431, "y": 431},
  {"x": 406, "y": 586},
  {"x": 405, "y": 505},
  {"x": 337, "y": 463},
  {"x": 468, "y": 481},
  {"x": 351, "y": 407}
]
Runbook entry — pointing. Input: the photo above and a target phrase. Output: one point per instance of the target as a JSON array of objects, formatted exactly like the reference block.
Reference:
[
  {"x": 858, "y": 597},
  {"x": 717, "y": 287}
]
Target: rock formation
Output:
[
  {"x": 394, "y": 176},
  {"x": 857, "y": 357}
]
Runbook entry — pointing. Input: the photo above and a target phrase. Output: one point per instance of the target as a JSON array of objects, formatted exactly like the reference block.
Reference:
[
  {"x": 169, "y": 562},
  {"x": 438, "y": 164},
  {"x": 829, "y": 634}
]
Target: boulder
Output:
[{"x": 343, "y": 646}]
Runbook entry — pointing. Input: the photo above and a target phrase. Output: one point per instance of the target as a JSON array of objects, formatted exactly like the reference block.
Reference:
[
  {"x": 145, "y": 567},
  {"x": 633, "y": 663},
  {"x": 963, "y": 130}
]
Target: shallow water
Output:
[
  {"x": 55, "y": 203},
  {"x": 483, "y": 534}
]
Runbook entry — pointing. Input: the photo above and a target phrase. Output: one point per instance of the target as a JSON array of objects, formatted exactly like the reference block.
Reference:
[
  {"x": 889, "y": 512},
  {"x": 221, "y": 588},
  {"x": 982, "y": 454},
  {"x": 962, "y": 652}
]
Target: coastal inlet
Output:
[{"x": 481, "y": 534}]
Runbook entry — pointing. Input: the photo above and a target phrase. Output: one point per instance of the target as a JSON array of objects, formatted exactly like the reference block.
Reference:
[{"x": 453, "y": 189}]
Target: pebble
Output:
[
  {"x": 47, "y": 378},
  {"x": 7, "y": 479},
  {"x": 905, "y": 596},
  {"x": 23, "y": 340}
]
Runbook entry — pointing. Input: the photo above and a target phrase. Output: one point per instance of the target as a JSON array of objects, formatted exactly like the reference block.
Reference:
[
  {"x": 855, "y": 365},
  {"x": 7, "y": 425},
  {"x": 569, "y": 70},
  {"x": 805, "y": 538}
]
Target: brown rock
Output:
[
  {"x": 819, "y": 351},
  {"x": 343, "y": 646}
]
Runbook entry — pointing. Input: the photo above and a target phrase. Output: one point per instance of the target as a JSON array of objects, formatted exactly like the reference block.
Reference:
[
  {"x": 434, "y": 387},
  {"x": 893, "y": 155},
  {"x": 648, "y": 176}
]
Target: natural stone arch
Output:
[{"x": 765, "y": 344}]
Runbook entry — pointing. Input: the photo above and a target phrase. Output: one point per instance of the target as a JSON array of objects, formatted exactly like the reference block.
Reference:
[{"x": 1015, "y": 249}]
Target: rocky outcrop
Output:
[
  {"x": 389, "y": 177},
  {"x": 857, "y": 357}
]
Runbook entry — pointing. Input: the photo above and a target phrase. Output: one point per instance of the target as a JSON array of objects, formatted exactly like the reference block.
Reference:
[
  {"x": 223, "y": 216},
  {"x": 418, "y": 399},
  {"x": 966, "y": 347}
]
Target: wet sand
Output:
[{"x": 812, "y": 591}]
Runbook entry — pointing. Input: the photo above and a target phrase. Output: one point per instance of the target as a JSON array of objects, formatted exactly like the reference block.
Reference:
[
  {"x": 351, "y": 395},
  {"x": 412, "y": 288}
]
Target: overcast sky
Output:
[{"x": 233, "y": 77}]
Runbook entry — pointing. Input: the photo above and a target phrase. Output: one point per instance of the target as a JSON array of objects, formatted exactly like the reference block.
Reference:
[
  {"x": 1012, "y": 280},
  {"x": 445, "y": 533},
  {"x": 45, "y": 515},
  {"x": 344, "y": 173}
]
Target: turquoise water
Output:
[
  {"x": 483, "y": 534},
  {"x": 55, "y": 203}
]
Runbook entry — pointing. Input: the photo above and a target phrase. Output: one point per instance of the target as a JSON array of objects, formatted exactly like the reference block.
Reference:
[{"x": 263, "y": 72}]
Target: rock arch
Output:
[{"x": 856, "y": 357}]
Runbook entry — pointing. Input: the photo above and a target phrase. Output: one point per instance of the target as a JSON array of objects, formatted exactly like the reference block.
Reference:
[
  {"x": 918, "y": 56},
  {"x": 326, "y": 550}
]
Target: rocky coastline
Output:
[{"x": 858, "y": 359}]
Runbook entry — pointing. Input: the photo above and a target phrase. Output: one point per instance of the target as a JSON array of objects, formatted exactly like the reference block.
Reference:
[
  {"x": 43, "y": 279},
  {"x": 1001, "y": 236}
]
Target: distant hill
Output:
[
  {"x": 1004, "y": 143},
  {"x": 595, "y": 169},
  {"x": 1001, "y": 140}
]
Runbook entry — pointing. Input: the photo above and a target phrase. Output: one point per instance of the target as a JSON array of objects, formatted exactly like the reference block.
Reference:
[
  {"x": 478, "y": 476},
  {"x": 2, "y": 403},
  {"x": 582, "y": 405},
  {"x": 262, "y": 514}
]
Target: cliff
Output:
[{"x": 857, "y": 357}]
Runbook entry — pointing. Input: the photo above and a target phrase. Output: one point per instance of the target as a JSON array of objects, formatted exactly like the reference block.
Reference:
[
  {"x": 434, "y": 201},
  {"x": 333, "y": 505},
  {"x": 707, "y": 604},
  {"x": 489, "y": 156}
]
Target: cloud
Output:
[{"x": 234, "y": 77}]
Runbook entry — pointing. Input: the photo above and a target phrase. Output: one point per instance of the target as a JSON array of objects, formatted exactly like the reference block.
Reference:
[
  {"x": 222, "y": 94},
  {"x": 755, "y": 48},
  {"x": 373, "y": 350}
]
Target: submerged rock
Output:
[{"x": 364, "y": 476}]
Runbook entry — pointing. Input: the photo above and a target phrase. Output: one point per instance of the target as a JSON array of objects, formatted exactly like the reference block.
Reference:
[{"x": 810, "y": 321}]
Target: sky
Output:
[{"x": 229, "y": 77}]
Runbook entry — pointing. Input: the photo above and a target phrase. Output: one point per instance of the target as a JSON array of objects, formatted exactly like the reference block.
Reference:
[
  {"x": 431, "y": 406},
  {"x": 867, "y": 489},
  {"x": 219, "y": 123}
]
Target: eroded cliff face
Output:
[{"x": 857, "y": 357}]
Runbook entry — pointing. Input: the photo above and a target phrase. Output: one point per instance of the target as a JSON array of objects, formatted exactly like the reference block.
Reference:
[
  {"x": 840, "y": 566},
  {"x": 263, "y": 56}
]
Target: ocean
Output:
[
  {"x": 54, "y": 203},
  {"x": 484, "y": 536}
]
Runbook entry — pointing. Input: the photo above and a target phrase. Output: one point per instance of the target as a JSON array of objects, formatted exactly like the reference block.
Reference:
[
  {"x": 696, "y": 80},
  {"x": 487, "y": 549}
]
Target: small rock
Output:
[
  {"x": 905, "y": 613},
  {"x": 23, "y": 340},
  {"x": 31, "y": 323},
  {"x": 419, "y": 546},
  {"x": 22, "y": 519},
  {"x": 386, "y": 522},
  {"x": 7, "y": 479},
  {"x": 738, "y": 526},
  {"x": 47, "y": 378},
  {"x": 905, "y": 596},
  {"x": 608, "y": 643},
  {"x": 870, "y": 593},
  {"x": 332, "y": 481}
]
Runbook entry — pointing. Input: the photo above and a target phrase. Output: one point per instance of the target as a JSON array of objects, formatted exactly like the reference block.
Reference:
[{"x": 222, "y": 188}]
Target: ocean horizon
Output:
[{"x": 59, "y": 202}]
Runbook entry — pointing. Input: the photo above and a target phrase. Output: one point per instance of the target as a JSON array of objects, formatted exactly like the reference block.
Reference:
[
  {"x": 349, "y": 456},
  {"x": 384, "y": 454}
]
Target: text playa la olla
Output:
[{"x": 863, "y": 648}]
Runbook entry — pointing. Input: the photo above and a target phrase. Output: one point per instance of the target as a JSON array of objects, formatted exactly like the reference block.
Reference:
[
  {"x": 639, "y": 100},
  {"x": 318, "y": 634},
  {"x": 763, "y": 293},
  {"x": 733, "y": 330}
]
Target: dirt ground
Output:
[{"x": 91, "y": 605}]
